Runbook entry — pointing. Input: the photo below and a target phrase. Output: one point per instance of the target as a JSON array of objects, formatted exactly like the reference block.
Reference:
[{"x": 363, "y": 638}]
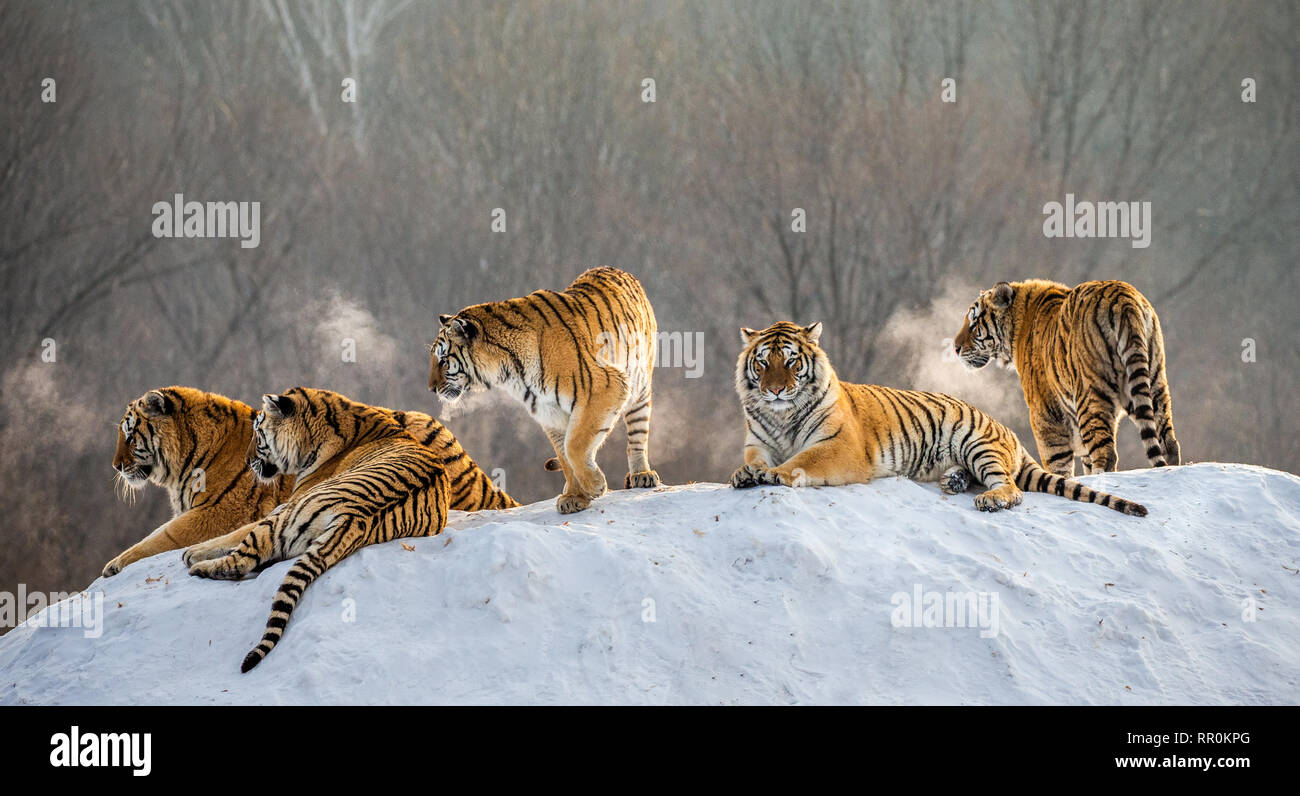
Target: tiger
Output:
[
  {"x": 1086, "y": 356},
  {"x": 804, "y": 427},
  {"x": 576, "y": 359},
  {"x": 382, "y": 484},
  {"x": 193, "y": 444}
]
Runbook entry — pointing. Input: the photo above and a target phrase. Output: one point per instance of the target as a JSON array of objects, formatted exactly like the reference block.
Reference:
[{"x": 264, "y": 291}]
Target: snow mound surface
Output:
[{"x": 705, "y": 594}]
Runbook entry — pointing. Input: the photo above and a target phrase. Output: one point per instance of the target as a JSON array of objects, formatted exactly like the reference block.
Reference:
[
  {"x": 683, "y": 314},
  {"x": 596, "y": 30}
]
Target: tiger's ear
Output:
[
  {"x": 444, "y": 319},
  {"x": 157, "y": 404},
  {"x": 464, "y": 328},
  {"x": 1002, "y": 294},
  {"x": 747, "y": 334},
  {"x": 814, "y": 332},
  {"x": 277, "y": 405}
]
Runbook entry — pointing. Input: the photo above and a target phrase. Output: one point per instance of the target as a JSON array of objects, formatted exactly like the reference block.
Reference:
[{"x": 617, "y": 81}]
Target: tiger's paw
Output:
[
  {"x": 646, "y": 479},
  {"x": 203, "y": 551},
  {"x": 590, "y": 486},
  {"x": 1104, "y": 462},
  {"x": 571, "y": 504},
  {"x": 113, "y": 567},
  {"x": 225, "y": 568},
  {"x": 743, "y": 478},
  {"x": 1004, "y": 497},
  {"x": 954, "y": 480},
  {"x": 750, "y": 475}
]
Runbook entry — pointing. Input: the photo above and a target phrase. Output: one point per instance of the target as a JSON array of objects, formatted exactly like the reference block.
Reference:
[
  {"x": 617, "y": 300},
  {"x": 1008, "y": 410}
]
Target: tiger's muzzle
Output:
[
  {"x": 973, "y": 360},
  {"x": 136, "y": 475},
  {"x": 263, "y": 469}
]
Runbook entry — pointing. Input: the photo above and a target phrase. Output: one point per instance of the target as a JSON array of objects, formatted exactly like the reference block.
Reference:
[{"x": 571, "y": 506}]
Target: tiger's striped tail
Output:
[
  {"x": 1033, "y": 478},
  {"x": 346, "y": 535}
]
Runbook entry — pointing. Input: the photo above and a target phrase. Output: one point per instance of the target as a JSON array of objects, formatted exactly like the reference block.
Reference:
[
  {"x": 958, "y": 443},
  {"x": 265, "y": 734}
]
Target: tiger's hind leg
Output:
[
  {"x": 1055, "y": 444},
  {"x": 1161, "y": 403},
  {"x": 1165, "y": 428},
  {"x": 996, "y": 472},
  {"x": 636, "y": 419},
  {"x": 1098, "y": 423},
  {"x": 1140, "y": 404}
]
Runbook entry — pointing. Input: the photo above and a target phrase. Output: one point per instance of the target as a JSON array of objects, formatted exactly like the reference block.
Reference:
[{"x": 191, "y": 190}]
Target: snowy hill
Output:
[{"x": 761, "y": 596}]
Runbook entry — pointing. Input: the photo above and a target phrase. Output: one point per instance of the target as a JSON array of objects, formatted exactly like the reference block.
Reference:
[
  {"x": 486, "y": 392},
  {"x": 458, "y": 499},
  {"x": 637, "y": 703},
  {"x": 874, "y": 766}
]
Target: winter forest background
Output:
[{"x": 376, "y": 215}]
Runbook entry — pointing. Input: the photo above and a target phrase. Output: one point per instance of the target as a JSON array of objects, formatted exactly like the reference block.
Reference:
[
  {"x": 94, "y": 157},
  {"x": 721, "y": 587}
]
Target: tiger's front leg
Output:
[
  {"x": 588, "y": 428},
  {"x": 756, "y": 457},
  {"x": 255, "y": 546},
  {"x": 820, "y": 465},
  {"x": 214, "y": 548},
  {"x": 186, "y": 529},
  {"x": 224, "y": 544}
]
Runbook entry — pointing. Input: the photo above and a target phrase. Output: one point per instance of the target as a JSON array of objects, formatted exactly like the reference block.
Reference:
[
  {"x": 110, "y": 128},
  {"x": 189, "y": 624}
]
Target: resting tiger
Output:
[
  {"x": 382, "y": 484},
  {"x": 194, "y": 444},
  {"x": 804, "y": 427},
  {"x": 1085, "y": 356},
  {"x": 577, "y": 360}
]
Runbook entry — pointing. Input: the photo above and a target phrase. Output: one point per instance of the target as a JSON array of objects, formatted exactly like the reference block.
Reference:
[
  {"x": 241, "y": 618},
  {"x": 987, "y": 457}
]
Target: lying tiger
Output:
[
  {"x": 379, "y": 483},
  {"x": 1086, "y": 356},
  {"x": 807, "y": 428},
  {"x": 577, "y": 360},
  {"x": 194, "y": 444}
]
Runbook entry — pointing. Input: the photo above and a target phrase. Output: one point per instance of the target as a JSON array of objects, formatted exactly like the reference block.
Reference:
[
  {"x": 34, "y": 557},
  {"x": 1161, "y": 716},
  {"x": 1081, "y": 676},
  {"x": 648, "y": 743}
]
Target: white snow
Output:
[{"x": 760, "y": 596}]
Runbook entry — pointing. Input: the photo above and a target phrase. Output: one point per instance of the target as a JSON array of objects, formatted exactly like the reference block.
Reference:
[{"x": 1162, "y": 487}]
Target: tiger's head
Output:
[
  {"x": 286, "y": 435},
  {"x": 986, "y": 334},
  {"x": 147, "y": 441},
  {"x": 781, "y": 367},
  {"x": 167, "y": 435},
  {"x": 458, "y": 356},
  {"x": 300, "y": 428}
]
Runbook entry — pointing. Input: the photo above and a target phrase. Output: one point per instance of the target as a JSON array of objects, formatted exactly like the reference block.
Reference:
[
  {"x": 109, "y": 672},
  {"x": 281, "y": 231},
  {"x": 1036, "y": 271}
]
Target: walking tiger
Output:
[{"x": 577, "y": 360}]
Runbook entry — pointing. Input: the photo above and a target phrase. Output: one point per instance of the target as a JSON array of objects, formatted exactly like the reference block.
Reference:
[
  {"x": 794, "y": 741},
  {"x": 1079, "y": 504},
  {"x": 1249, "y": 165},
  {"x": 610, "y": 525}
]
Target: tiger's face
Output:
[
  {"x": 781, "y": 366},
  {"x": 282, "y": 437},
  {"x": 454, "y": 355},
  {"x": 984, "y": 336},
  {"x": 145, "y": 437}
]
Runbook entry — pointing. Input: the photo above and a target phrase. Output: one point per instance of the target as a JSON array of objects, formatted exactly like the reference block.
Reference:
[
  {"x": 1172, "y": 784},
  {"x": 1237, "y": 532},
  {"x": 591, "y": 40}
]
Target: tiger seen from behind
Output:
[{"x": 1086, "y": 356}]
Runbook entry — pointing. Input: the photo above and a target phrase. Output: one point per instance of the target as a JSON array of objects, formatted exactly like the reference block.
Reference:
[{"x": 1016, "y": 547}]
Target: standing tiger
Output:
[
  {"x": 577, "y": 360},
  {"x": 194, "y": 444},
  {"x": 804, "y": 427},
  {"x": 382, "y": 485},
  {"x": 1085, "y": 356}
]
